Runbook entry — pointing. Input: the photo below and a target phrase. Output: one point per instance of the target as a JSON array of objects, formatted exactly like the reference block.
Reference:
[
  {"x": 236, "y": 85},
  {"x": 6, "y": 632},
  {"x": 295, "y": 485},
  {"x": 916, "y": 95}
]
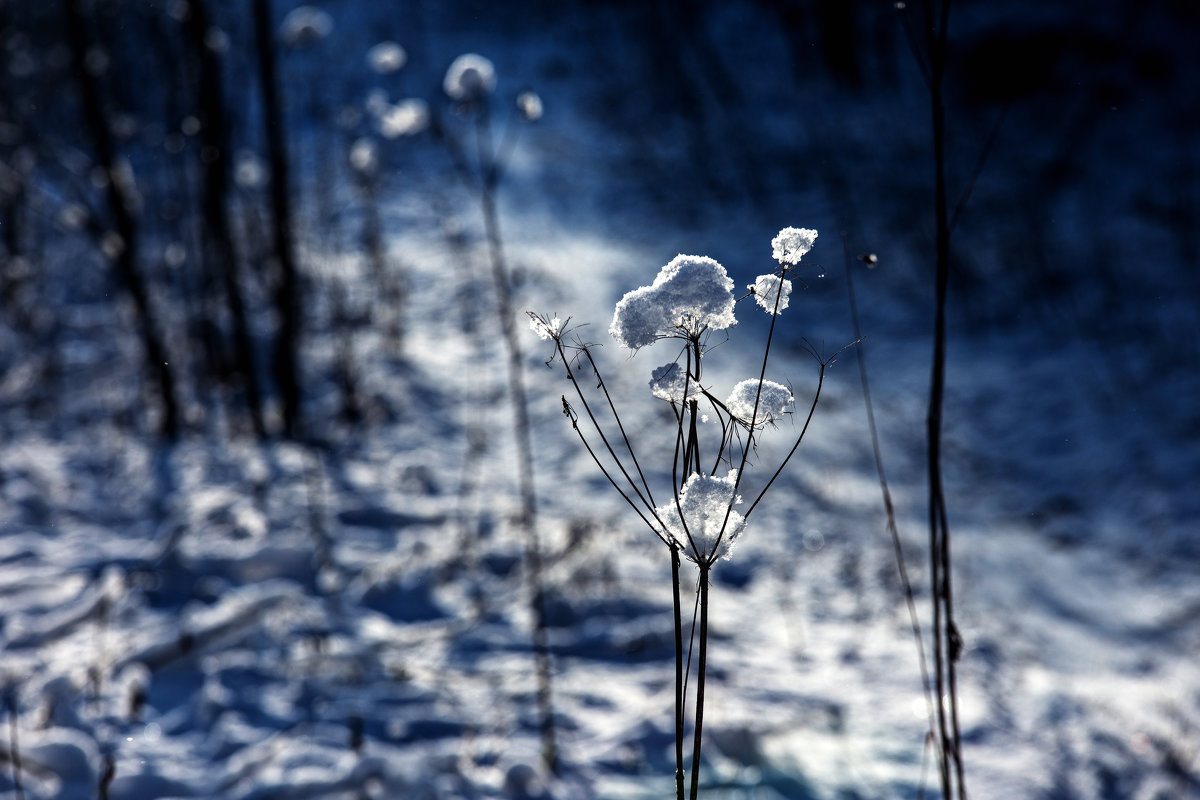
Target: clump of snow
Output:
[
  {"x": 668, "y": 383},
  {"x": 405, "y": 118},
  {"x": 546, "y": 328},
  {"x": 705, "y": 502},
  {"x": 790, "y": 245},
  {"x": 305, "y": 25},
  {"x": 765, "y": 289},
  {"x": 690, "y": 294},
  {"x": 249, "y": 172},
  {"x": 529, "y": 105},
  {"x": 386, "y": 58},
  {"x": 470, "y": 78},
  {"x": 364, "y": 156},
  {"x": 775, "y": 401}
]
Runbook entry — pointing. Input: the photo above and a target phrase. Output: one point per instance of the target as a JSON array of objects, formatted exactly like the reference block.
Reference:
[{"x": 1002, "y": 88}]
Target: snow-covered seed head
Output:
[
  {"x": 364, "y": 156},
  {"x": 774, "y": 401},
  {"x": 791, "y": 244},
  {"x": 690, "y": 294},
  {"x": 765, "y": 289},
  {"x": 529, "y": 106},
  {"x": 545, "y": 328},
  {"x": 669, "y": 381},
  {"x": 706, "y": 503},
  {"x": 386, "y": 58},
  {"x": 470, "y": 78},
  {"x": 305, "y": 25},
  {"x": 406, "y": 118}
]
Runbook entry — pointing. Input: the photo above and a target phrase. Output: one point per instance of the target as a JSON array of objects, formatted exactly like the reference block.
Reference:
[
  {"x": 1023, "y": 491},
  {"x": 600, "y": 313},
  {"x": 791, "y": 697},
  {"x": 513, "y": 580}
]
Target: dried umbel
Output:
[
  {"x": 470, "y": 79},
  {"x": 702, "y": 513},
  {"x": 691, "y": 294},
  {"x": 691, "y": 298}
]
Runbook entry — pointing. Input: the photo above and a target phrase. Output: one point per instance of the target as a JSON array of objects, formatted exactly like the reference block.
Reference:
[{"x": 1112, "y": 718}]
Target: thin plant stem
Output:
[
  {"x": 522, "y": 430},
  {"x": 986, "y": 151},
  {"x": 648, "y": 499},
  {"x": 888, "y": 507},
  {"x": 701, "y": 666},
  {"x": 677, "y": 483},
  {"x": 15, "y": 745},
  {"x": 575, "y": 424},
  {"x": 762, "y": 374},
  {"x": 617, "y": 417},
  {"x": 679, "y": 711},
  {"x": 946, "y": 638},
  {"x": 807, "y": 420}
]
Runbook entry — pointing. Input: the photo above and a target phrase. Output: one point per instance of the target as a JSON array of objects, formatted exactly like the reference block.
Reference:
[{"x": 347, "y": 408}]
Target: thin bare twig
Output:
[{"x": 888, "y": 507}]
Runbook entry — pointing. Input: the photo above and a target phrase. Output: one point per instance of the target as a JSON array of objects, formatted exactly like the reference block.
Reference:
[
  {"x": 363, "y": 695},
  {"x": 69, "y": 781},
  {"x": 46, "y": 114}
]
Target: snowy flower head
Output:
[
  {"x": 690, "y": 294},
  {"x": 386, "y": 58},
  {"x": 774, "y": 401},
  {"x": 545, "y": 328},
  {"x": 669, "y": 381},
  {"x": 706, "y": 503},
  {"x": 364, "y": 156},
  {"x": 305, "y": 25},
  {"x": 470, "y": 79},
  {"x": 529, "y": 106},
  {"x": 766, "y": 288},
  {"x": 791, "y": 244},
  {"x": 406, "y": 118}
]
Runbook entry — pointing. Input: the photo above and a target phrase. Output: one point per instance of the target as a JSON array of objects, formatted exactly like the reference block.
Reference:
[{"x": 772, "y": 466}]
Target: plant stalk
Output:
[
  {"x": 678, "y": 672},
  {"x": 522, "y": 429},
  {"x": 945, "y": 633},
  {"x": 701, "y": 666}
]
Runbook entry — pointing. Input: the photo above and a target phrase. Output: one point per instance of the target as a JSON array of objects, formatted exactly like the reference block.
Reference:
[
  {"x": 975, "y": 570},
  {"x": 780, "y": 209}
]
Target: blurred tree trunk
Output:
[
  {"x": 122, "y": 203},
  {"x": 287, "y": 290},
  {"x": 220, "y": 251}
]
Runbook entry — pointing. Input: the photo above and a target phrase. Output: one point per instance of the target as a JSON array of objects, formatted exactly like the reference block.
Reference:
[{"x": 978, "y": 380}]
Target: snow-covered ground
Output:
[{"x": 219, "y": 618}]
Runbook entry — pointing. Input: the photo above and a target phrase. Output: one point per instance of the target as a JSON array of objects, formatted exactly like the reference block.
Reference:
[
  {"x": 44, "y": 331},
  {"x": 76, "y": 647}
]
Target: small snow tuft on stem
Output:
[
  {"x": 705, "y": 501},
  {"x": 766, "y": 287},
  {"x": 545, "y": 329},
  {"x": 775, "y": 401},
  {"x": 668, "y": 381},
  {"x": 791, "y": 244}
]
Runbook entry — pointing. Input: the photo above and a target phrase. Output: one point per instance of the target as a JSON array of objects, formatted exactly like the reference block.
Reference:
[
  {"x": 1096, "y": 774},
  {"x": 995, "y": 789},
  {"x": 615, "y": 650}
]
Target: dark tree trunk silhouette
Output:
[
  {"x": 286, "y": 365},
  {"x": 121, "y": 204},
  {"x": 220, "y": 250}
]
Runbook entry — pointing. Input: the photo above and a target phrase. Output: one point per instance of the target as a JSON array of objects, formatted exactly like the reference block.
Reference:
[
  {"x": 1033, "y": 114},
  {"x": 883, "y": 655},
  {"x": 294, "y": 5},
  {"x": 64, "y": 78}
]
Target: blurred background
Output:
[
  {"x": 254, "y": 432},
  {"x": 142, "y": 212}
]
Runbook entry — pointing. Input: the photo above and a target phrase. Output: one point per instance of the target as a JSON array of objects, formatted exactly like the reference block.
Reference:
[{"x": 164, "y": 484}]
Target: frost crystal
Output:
[
  {"x": 766, "y": 287},
  {"x": 776, "y": 400},
  {"x": 705, "y": 500},
  {"x": 667, "y": 383},
  {"x": 545, "y": 329},
  {"x": 690, "y": 294},
  {"x": 791, "y": 244},
  {"x": 470, "y": 78}
]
